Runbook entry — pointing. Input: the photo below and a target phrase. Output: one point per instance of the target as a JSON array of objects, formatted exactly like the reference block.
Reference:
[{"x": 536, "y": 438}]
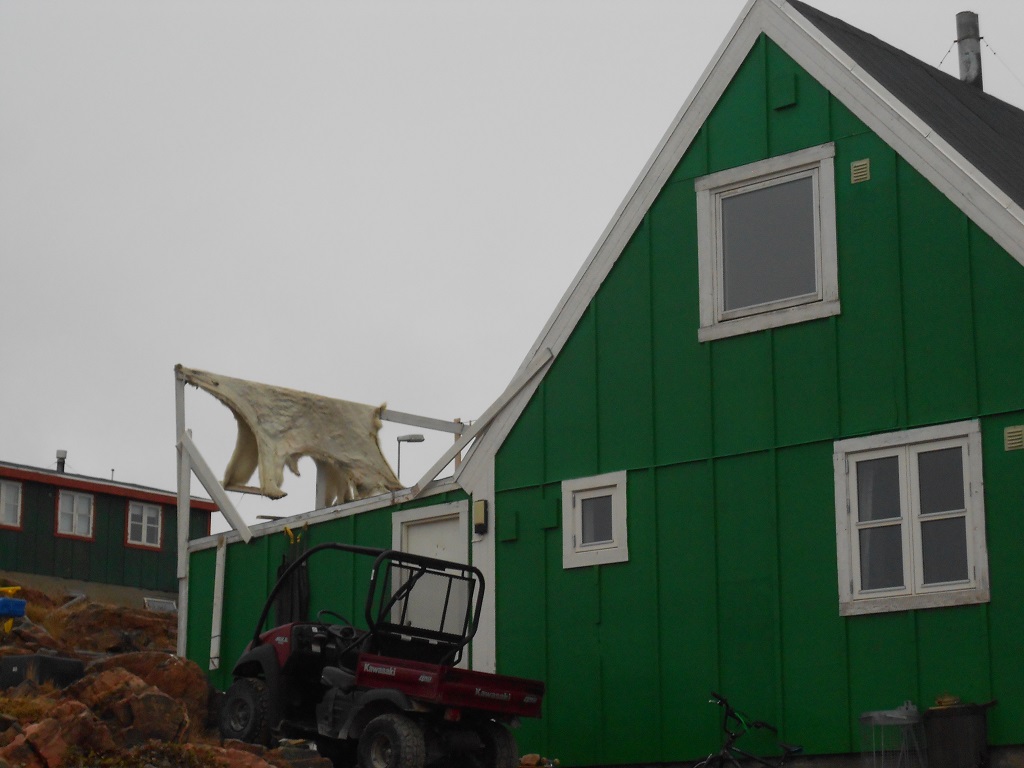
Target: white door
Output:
[{"x": 440, "y": 532}]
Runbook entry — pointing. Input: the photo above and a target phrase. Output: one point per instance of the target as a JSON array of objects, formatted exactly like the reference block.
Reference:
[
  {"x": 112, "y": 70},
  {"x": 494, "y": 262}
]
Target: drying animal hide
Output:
[{"x": 278, "y": 426}]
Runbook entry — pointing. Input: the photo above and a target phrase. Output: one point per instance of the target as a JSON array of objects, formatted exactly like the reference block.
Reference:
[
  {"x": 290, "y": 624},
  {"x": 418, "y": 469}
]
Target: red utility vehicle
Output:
[{"x": 390, "y": 695}]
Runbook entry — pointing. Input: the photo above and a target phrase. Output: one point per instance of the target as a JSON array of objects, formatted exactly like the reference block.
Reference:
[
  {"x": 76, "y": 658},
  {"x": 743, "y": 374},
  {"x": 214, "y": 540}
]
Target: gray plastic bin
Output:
[{"x": 957, "y": 735}]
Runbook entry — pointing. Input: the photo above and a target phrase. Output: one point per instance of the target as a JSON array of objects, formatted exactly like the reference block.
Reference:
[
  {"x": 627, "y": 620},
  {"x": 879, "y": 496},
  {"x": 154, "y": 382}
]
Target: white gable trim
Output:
[{"x": 969, "y": 189}]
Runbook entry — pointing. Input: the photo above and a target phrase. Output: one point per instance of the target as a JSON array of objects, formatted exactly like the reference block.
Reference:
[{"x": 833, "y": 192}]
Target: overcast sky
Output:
[{"x": 372, "y": 201}]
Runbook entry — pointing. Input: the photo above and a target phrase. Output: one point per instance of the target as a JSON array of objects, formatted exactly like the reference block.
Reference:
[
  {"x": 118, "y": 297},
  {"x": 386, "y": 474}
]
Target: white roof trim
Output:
[{"x": 967, "y": 187}]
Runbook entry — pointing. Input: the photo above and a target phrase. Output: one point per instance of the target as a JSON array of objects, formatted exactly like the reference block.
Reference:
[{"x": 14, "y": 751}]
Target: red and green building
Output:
[{"x": 82, "y": 533}]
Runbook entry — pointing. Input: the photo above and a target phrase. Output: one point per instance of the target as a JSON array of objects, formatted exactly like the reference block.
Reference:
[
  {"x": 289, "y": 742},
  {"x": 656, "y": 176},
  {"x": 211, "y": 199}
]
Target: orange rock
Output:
[
  {"x": 179, "y": 678},
  {"x": 20, "y": 753}
]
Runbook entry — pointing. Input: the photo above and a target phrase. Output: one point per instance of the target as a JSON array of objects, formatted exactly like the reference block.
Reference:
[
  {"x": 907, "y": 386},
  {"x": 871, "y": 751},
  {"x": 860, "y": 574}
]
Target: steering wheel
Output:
[
  {"x": 334, "y": 614},
  {"x": 343, "y": 631}
]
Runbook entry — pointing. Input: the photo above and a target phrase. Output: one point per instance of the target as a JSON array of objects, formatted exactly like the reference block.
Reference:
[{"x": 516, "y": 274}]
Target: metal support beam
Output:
[
  {"x": 425, "y": 422},
  {"x": 218, "y": 603},
  {"x": 214, "y": 488},
  {"x": 184, "y": 517}
]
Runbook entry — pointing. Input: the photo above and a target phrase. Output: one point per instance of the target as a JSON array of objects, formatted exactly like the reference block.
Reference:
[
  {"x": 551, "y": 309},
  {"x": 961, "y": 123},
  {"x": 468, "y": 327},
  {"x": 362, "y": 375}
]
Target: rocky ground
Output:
[{"x": 137, "y": 706}]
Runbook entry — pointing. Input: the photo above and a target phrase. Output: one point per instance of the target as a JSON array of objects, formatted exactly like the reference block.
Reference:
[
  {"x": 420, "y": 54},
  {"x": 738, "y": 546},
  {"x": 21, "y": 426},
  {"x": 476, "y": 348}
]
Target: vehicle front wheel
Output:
[
  {"x": 392, "y": 741},
  {"x": 244, "y": 712}
]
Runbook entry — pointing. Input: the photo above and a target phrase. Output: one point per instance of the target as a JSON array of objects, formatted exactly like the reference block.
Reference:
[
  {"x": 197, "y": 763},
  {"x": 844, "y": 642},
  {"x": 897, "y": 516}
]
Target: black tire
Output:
[
  {"x": 500, "y": 749},
  {"x": 392, "y": 741},
  {"x": 243, "y": 714}
]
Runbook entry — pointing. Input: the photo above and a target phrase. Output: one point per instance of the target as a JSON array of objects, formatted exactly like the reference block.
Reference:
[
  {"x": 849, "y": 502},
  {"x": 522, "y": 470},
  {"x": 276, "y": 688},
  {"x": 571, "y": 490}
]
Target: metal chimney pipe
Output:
[
  {"x": 61, "y": 457},
  {"x": 968, "y": 44}
]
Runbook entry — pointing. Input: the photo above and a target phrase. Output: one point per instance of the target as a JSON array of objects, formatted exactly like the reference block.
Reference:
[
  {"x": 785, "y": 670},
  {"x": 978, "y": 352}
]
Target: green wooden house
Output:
[
  {"x": 59, "y": 529},
  {"x": 770, "y": 442}
]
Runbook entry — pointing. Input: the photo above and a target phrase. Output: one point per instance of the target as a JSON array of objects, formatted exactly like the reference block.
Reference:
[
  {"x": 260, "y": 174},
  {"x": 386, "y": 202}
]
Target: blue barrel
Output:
[{"x": 11, "y": 608}]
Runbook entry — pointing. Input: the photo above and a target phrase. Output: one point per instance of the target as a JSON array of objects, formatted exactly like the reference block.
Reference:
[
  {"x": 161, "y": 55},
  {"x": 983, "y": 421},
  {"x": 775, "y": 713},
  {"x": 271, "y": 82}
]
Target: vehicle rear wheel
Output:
[
  {"x": 392, "y": 741},
  {"x": 500, "y": 749},
  {"x": 244, "y": 712}
]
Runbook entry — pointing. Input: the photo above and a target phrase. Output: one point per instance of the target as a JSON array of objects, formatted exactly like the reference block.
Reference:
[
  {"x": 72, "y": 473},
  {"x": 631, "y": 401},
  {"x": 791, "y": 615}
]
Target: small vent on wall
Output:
[
  {"x": 860, "y": 170},
  {"x": 1013, "y": 438}
]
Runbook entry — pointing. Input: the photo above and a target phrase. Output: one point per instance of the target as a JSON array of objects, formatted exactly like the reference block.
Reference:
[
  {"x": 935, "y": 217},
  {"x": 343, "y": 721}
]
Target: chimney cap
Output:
[
  {"x": 61, "y": 453},
  {"x": 968, "y": 41}
]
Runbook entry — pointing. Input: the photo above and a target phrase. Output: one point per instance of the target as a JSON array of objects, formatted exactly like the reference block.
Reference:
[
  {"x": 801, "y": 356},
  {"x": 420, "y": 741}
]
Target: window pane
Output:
[
  {"x": 152, "y": 535},
  {"x": 10, "y": 498},
  {"x": 944, "y": 550},
  {"x": 597, "y": 519},
  {"x": 941, "y": 476},
  {"x": 881, "y": 557},
  {"x": 878, "y": 489},
  {"x": 66, "y": 513},
  {"x": 135, "y": 532},
  {"x": 768, "y": 244}
]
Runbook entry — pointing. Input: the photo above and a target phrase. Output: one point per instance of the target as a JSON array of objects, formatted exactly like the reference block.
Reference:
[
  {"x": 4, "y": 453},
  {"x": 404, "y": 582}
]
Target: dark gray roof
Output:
[{"x": 988, "y": 132}]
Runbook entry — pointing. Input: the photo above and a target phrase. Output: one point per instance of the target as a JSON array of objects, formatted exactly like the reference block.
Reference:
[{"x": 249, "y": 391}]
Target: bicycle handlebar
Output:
[{"x": 740, "y": 717}]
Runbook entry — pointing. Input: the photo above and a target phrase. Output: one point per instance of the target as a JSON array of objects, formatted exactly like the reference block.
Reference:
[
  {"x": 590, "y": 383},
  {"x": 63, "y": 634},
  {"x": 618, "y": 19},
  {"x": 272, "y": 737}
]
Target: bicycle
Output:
[{"x": 736, "y": 725}]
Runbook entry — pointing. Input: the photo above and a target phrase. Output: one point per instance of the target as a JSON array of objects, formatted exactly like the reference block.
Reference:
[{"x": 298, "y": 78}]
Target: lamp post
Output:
[{"x": 405, "y": 439}]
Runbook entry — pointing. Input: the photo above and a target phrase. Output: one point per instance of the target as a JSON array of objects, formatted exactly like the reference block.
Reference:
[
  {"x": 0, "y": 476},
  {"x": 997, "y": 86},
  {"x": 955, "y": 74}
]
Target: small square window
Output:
[
  {"x": 594, "y": 520},
  {"x": 10, "y": 504},
  {"x": 910, "y": 519},
  {"x": 74, "y": 514},
  {"x": 767, "y": 244},
  {"x": 144, "y": 524}
]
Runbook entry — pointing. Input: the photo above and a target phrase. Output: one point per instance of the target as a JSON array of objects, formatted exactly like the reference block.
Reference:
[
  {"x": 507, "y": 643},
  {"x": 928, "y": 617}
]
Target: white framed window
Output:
[
  {"x": 74, "y": 514},
  {"x": 10, "y": 504},
  {"x": 910, "y": 519},
  {"x": 144, "y": 524},
  {"x": 594, "y": 520},
  {"x": 766, "y": 235}
]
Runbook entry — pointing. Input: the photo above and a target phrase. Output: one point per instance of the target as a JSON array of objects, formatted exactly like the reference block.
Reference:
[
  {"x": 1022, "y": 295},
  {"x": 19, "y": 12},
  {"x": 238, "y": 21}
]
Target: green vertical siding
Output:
[
  {"x": 1003, "y": 504},
  {"x": 624, "y": 385},
  {"x": 731, "y": 582}
]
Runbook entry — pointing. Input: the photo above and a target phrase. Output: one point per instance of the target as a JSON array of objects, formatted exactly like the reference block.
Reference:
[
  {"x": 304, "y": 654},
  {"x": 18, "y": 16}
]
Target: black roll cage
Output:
[{"x": 421, "y": 563}]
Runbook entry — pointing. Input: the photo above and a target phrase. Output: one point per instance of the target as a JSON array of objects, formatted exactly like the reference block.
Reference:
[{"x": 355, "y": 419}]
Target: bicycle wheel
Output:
[{"x": 711, "y": 761}]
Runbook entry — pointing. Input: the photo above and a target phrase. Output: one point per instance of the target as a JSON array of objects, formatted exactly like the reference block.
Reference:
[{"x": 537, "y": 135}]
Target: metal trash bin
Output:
[
  {"x": 893, "y": 738},
  {"x": 957, "y": 735}
]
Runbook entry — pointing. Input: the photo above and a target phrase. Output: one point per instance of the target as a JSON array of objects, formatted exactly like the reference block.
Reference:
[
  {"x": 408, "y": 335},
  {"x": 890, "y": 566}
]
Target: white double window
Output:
[
  {"x": 75, "y": 514},
  {"x": 910, "y": 519},
  {"x": 10, "y": 504},
  {"x": 144, "y": 524},
  {"x": 594, "y": 520},
  {"x": 767, "y": 244}
]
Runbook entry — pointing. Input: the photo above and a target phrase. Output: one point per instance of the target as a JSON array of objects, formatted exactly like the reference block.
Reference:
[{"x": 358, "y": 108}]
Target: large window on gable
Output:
[
  {"x": 144, "y": 525},
  {"x": 74, "y": 514},
  {"x": 767, "y": 244},
  {"x": 594, "y": 520},
  {"x": 10, "y": 504},
  {"x": 910, "y": 519}
]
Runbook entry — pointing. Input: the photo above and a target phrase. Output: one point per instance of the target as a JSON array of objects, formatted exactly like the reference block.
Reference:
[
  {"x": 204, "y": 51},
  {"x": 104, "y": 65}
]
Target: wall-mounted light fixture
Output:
[{"x": 480, "y": 516}]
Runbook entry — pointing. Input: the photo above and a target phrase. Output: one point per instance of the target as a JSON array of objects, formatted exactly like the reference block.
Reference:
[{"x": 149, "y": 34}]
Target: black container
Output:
[
  {"x": 39, "y": 668},
  {"x": 957, "y": 736}
]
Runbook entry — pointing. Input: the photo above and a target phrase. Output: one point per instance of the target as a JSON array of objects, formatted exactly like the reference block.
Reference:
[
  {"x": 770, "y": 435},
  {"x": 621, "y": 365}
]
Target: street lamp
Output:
[{"x": 405, "y": 439}]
